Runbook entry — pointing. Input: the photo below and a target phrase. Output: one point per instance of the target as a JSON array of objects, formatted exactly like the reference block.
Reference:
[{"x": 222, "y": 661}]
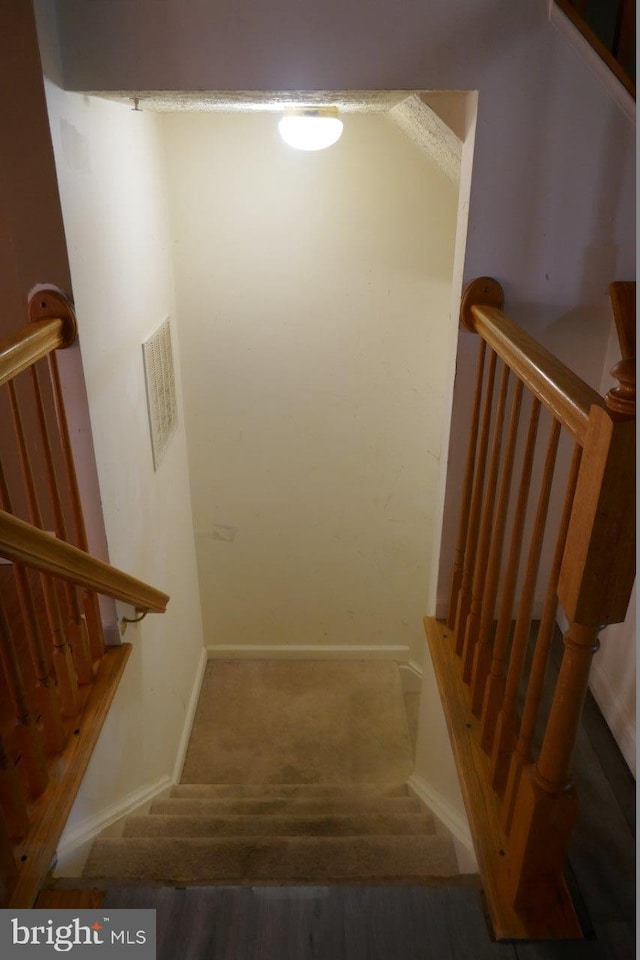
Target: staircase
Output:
[
  {"x": 289, "y": 833},
  {"x": 324, "y": 749}
]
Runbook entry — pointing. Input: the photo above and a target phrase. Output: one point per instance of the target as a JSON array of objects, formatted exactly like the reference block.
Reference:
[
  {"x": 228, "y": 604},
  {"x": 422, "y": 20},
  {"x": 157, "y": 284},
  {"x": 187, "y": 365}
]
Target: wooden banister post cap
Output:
[
  {"x": 50, "y": 303},
  {"x": 483, "y": 291},
  {"x": 622, "y": 399}
]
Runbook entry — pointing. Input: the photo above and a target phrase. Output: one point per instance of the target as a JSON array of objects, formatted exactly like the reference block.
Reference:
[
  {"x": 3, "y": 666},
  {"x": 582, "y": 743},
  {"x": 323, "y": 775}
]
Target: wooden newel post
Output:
[
  {"x": 595, "y": 583},
  {"x": 546, "y": 804}
]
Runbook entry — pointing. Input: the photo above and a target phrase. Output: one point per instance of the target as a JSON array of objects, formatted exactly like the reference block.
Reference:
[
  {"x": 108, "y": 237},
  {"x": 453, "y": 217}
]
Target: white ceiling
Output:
[
  {"x": 415, "y": 113},
  {"x": 251, "y": 101}
]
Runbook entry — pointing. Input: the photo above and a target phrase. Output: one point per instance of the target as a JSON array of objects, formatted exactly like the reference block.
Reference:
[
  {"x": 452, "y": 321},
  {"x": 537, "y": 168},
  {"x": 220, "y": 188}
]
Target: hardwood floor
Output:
[{"x": 428, "y": 922}]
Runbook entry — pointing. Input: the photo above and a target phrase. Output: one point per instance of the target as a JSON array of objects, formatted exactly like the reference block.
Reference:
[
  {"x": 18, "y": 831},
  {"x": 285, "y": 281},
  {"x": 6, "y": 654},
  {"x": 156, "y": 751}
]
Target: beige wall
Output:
[
  {"x": 313, "y": 297},
  {"x": 110, "y": 173}
]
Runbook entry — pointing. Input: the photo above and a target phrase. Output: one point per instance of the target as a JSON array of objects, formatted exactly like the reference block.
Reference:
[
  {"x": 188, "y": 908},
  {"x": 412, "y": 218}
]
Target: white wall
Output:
[
  {"x": 313, "y": 293},
  {"x": 110, "y": 172}
]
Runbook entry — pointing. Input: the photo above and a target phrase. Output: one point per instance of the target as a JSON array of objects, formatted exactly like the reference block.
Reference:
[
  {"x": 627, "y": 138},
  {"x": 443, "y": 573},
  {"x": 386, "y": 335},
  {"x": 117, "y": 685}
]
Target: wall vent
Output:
[{"x": 161, "y": 389}]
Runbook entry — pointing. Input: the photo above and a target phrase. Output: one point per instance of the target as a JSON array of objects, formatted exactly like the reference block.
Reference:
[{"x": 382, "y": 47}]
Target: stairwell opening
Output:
[
  {"x": 315, "y": 313},
  {"x": 307, "y": 413}
]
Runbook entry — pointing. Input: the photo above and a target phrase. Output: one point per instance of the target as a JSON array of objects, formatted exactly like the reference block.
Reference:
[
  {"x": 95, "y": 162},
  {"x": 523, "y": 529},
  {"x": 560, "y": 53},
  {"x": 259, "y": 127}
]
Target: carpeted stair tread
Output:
[
  {"x": 344, "y": 825},
  {"x": 295, "y": 774},
  {"x": 257, "y": 859},
  {"x": 258, "y": 791},
  {"x": 299, "y": 721},
  {"x": 287, "y": 805}
]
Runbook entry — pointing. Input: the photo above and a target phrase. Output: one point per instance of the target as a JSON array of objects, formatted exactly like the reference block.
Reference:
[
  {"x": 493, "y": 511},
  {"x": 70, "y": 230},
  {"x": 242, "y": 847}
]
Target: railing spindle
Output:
[
  {"x": 464, "y": 598},
  {"x": 13, "y": 802},
  {"x": 595, "y": 581},
  {"x": 494, "y": 691},
  {"x": 458, "y": 564},
  {"x": 62, "y": 658},
  {"x": 507, "y": 722},
  {"x": 482, "y": 556},
  {"x": 8, "y": 865},
  {"x": 48, "y": 702},
  {"x": 523, "y": 754},
  {"x": 91, "y": 603},
  {"x": 28, "y": 738},
  {"x": 482, "y": 657},
  {"x": 77, "y": 625}
]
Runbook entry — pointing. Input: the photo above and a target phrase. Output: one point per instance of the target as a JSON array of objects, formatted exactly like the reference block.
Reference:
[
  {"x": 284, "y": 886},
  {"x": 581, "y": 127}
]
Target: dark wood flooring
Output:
[{"x": 420, "y": 923}]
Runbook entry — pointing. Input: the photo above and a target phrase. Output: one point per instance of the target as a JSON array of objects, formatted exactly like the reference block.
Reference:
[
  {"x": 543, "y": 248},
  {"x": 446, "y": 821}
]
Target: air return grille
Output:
[{"x": 161, "y": 389}]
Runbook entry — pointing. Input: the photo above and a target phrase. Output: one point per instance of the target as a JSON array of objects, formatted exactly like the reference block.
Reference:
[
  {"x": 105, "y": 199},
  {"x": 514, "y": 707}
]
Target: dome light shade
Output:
[{"x": 311, "y": 130}]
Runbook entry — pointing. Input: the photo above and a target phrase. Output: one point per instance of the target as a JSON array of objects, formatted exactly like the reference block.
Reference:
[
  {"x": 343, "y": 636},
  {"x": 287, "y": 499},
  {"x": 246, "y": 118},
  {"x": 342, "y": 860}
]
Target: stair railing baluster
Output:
[
  {"x": 8, "y": 865},
  {"x": 76, "y": 628},
  {"x": 91, "y": 603},
  {"x": 463, "y": 527},
  {"x": 507, "y": 722},
  {"x": 13, "y": 802},
  {"x": 494, "y": 690},
  {"x": 27, "y": 734},
  {"x": 523, "y": 753},
  {"x": 46, "y": 690},
  {"x": 472, "y": 629},
  {"x": 464, "y": 597},
  {"x": 62, "y": 657},
  {"x": 482, "y": 657}
]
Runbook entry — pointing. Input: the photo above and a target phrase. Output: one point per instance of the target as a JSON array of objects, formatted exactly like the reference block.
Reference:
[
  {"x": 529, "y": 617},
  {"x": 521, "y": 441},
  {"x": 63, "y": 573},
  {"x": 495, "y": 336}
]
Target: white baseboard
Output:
[
  {"x": 455, "y": 823},
  {"x": 189, "y": 715},
  {"x": 74, "y": 844},
  {"x": 417, "y": 668},
  {"x": 325, "y": 651},
  {"x": 411, "y": 677}
]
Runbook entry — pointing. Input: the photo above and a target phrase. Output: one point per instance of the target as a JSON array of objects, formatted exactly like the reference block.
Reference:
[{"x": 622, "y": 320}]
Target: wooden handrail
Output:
[
  {"x": 23, "y": 543},
  {"x": 29, "y": 344},
  {"x": 559, "y": 389},
  {"x": 617, "y": 59}
]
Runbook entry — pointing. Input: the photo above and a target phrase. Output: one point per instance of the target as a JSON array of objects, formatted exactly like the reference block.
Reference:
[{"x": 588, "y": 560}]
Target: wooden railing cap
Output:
[
  {"x": 622, "y": 398},
  {"x": 483, "y": 291},
  {"x": 50, "y": 303},
  {"x": 623, "y": 304}
]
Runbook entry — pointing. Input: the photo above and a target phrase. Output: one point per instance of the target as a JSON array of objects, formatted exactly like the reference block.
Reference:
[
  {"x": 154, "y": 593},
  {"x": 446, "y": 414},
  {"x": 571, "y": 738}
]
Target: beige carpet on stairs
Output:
[
  {"x": 299, "y": 721},
  {"x": 295, "y": 773}
]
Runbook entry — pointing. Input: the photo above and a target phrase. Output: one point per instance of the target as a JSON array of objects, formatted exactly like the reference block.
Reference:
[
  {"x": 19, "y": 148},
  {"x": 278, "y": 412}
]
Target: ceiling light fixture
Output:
[{"x": 311, "y": 129}]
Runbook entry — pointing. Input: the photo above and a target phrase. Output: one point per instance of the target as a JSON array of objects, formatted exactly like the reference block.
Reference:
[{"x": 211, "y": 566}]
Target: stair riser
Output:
[
  {"x": 294, "y": 806},
  {"x": 274, "y": 826},
  {"x": 259, "y": 860},
  {"x": 260, "y": 791}
]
